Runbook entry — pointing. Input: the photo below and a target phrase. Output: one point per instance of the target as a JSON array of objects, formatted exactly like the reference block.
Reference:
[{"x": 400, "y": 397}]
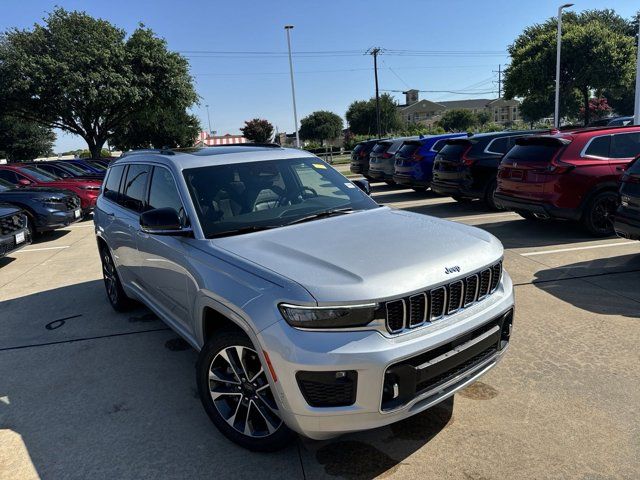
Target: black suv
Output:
[
  {"x": 626, "y": 220},
  {"x": 46, "y": 208},
  {"x": 360, "y": 157},
  {"x": 14, "y": 232},
  {"x": 467, "y": 168}
]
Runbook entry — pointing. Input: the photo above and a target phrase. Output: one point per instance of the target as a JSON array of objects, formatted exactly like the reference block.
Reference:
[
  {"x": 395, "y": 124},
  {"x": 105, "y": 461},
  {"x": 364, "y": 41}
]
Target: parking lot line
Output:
[
  {"x": 572, "y": 249},
  {"x": 41, "y": 249},
  {"x": 478, "y": 217}
]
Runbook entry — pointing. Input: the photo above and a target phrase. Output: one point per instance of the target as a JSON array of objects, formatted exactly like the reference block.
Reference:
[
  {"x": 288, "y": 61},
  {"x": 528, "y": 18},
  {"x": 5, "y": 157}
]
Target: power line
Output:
[{"x": 456, "y": 92}]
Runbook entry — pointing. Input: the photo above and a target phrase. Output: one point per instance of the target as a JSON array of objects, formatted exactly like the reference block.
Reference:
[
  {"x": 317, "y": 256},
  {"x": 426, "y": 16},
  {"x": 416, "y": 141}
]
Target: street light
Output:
[
  {"x": 209, "y": 120},
  {"x": 293, "y": 89},
  {"x": 556, "y": 116}
]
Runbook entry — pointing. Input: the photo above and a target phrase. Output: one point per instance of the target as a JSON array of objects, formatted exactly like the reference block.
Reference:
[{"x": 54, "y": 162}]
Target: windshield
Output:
[
  {"x": 4, "y": 185},
  {"x": 269, "y": 194},
  {"x": 39, "y": 174},
  {"x": 69, "y": 167}
]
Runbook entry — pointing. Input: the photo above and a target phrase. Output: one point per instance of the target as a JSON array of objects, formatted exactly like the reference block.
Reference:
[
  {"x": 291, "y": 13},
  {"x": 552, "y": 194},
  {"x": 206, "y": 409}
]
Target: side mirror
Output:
[
  {"x": 24, "y": 182},
  {"x": 162, "y": 221},
  {"x": 363, "y": 185}
]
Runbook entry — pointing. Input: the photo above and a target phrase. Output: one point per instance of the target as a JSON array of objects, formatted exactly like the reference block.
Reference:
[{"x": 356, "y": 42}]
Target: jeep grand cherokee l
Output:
[
  {"x": 572, "y": 175},
  {"x": 466, "y": 168},
  {"x": 252, "y": 254},
  {"x": 14, "y": 233}
]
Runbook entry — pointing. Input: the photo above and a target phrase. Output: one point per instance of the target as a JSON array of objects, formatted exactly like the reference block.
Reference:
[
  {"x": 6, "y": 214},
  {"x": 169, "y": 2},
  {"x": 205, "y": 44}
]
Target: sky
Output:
[{"x": 462, "y": 44}]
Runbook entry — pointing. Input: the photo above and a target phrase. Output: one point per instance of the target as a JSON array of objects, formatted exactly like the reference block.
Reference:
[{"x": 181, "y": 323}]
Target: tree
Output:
[
  {"x": 321, "y": 126},
  {"x": 24, "y": 140},
  {"x": 483, "y": 118},
  {"x": 361, "y": 116},
  {"x": 598, "y": 108},
  {"x": 257, "y": 130},
  {"x": 84, "y": 76},
  {"x": 598, "y": 53},
  {"x": 458, "y": 120},
  {"x": 157, "y": 128}
]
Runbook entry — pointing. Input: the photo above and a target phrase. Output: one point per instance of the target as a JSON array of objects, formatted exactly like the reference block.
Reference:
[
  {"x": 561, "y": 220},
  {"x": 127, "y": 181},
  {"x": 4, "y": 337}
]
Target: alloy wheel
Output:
[
  {"x": 110, "y": 280},
  {"x": 601, "y": 213},
  {"x": 241, "y": 393}
]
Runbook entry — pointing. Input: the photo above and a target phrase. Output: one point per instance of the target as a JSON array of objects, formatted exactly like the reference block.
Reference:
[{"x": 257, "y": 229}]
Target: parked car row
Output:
[
  {"x": 37, "y": 197},
  {"x": 573, "y": 174}
]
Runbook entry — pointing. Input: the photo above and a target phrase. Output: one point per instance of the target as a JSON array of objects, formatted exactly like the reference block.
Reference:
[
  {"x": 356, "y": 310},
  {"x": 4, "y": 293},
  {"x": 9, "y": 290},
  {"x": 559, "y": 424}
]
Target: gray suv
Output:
[{"x": 255, "y": 256}]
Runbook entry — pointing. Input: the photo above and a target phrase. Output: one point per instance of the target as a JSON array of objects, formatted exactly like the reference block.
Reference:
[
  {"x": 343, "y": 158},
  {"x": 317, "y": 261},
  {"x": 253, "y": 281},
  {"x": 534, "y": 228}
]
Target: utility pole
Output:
[
  {"x": 499, "y": 72},
  {"x": 293, "y": 88},
  {"x": 636, "y": 109},
  {"x": 209, "y": 120},
  {"x": 375, "y": 51}
]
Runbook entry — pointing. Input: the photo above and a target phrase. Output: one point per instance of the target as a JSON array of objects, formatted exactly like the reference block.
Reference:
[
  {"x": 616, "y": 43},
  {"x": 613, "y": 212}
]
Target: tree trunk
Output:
[
  {"x": 95, "y": 146},
  {"x": 587, "y": 112}
]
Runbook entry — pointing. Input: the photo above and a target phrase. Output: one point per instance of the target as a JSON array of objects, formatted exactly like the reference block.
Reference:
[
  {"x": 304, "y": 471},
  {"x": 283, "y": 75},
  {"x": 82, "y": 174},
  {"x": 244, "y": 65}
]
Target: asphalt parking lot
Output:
[{"x": 89, "y": 393}]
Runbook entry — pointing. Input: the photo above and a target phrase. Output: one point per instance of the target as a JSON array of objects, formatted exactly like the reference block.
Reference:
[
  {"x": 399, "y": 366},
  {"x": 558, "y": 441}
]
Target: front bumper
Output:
[
  {"x": 8, "y": 243},
  {"x": 371, "y": 354},
  {"x": 541, "y": 209},
  {"x": 52, "y": 219},
  {"x": 626, "y": 227}
]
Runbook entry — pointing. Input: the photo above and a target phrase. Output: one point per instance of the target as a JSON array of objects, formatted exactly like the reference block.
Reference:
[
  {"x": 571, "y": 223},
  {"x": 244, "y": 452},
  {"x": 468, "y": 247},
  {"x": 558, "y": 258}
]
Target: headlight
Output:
[
  {"x": 50, "y": 201},
  {"x": 329, "y": 317}
]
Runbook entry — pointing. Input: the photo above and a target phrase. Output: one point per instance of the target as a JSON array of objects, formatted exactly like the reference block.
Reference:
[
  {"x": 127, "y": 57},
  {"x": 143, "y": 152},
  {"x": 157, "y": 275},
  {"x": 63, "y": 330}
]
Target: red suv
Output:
[
  {"x": 570, "y": 175},
  {"x": 29, "y": 175}
]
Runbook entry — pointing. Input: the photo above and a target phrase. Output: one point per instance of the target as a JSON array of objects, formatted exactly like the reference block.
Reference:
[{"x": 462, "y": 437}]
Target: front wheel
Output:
[
  {"x": 236, "y": 394},
  {"x": 597, "y": 215}
]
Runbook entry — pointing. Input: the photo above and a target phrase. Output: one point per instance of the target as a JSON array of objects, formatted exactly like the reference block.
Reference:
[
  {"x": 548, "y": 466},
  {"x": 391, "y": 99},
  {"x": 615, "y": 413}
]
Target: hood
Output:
[
  {"x": 8, "y": 209},
  {"x": 368, "y": 256}
]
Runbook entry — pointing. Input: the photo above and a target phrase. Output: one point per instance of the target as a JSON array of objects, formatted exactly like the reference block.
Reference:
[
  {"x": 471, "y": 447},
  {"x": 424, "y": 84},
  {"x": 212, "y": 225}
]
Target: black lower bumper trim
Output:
[{"x": 545, "y": 210}]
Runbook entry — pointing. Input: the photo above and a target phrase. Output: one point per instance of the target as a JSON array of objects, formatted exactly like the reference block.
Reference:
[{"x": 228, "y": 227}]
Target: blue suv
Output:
[{"x": 414, "y": 160}]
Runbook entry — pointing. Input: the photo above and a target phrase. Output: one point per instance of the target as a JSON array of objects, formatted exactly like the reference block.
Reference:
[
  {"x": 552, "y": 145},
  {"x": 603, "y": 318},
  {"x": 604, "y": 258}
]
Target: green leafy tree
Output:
[
  {"x": 157, "y": 128},
  {"x": 85, "y": 76},
  {"x": 458, "y": 120},
  {"x": 361, "y": 116},
  {"x": 24, "y": 140},
  {"x": 104, "y": 153},
  {"x": 257, "y": 130},
  {"x": 320, "y": 126},
  {"x": 598, "y": 53},
  {"x": 483, "y": 118}
]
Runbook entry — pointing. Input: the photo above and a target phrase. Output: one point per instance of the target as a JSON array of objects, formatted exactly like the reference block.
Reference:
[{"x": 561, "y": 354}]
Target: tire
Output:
[
  {"x": 596, "y": 217},
  {"x": 115, "y": 293},
  {"x": 460, "y": 199},
  {"x": 489, "y": 196},
  {"x": 226, "y": 363}
]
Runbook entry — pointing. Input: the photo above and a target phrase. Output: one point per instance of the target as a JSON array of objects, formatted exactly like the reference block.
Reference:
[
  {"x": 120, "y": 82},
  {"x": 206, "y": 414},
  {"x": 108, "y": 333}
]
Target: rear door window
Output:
[
  {"x": 134, "y": 189},
  {"x": 598, "y": 147},
  {"x": 9, "y": 175},
  {"x": 625, "y": 145},
  {"x": 112, "y": 183},
  {"x": 499, "y": 146},
  {"x": 438, "y": 145}
]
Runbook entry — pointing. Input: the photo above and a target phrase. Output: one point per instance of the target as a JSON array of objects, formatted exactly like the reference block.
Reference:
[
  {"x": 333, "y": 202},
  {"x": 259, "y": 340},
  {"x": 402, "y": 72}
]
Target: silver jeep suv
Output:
[{"x": 258, "y": 257}]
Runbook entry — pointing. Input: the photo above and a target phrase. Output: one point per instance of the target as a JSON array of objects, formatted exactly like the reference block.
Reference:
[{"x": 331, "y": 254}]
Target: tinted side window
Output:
[
  {"x": 499, "y": 145},
  {"x": 599, "y": 147},
  {"x": 625, "y": 145},
  {"x": 438, "y": 145},
  {"x": 133, "y": 190},
  {"x": 162, "y": 191},
  {"x": 9, "y": 176},
  {"x": 112, "y": 183}
]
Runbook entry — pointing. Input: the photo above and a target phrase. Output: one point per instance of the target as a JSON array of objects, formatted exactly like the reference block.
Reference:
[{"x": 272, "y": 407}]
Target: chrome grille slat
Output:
[{"x": 439, "y": 302}]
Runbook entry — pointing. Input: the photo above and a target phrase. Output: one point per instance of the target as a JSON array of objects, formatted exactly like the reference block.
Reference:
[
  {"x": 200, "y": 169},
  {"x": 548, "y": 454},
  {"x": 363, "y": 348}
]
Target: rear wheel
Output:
[
  {"x": 115, "y": 293},
  {"x": 235, "y": 392},
  {"x": 489, "y": 196},
  {"x": 597, "y": 215}
]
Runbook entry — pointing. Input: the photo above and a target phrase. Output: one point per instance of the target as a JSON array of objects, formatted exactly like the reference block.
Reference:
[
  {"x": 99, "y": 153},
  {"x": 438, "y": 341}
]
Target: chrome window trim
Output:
[
  {"x": 583, "y": 152},
  {"x": 508, "y": 137}
]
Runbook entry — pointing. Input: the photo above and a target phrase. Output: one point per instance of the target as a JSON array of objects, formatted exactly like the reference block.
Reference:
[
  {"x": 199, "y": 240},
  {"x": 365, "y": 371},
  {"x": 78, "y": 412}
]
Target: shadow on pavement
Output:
[
  {"x": 372, "y": 453},
  {"x": 451, "y": 209},
  {"x": 50, "y": 236},
  {"x": 614, "y": 285}
]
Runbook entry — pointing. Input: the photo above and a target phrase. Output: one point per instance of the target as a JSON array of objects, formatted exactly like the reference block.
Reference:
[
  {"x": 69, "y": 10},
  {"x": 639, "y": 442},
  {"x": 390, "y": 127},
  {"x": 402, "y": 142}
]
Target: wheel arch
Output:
[{"x": 609, "y": 186}]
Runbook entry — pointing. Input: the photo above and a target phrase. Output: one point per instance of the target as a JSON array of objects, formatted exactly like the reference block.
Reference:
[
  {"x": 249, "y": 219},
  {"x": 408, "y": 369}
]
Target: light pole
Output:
[
  {"x": 209, "y": 120},
  {"x": 636, "y": 109},
  {"x": 556, "y": 116},
  {"x": 293, "y": 88}
]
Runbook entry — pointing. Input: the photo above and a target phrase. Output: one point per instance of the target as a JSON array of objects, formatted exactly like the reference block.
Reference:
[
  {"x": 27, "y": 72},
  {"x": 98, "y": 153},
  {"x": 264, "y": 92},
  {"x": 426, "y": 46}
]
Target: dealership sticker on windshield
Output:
[
  {"x": 319, "y": 165},
  {"x": 349, "y": 185}
]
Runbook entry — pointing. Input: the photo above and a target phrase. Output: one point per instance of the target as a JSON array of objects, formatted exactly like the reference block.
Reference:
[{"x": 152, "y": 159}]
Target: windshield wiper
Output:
[
  {"x": 324, "y": 214},
  {"x": 241, "y": 230}
]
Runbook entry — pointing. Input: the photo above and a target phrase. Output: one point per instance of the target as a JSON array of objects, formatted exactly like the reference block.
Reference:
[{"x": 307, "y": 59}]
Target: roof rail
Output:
[
  {"x": 248, "y": 144},
  {"x": 161, "y": 151}
]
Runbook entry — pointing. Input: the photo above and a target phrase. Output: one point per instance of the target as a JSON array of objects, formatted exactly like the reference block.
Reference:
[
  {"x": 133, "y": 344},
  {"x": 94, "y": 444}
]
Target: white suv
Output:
[{"x": 278, "y": 270}]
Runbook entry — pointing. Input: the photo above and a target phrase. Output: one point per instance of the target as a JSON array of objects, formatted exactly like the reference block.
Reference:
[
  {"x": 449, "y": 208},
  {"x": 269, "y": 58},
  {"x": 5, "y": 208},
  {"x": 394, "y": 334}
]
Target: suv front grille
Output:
[
  {"x": 12, "y": 223},
  {"x": 72, "y": 203},
  {"x": 441, "y": 301}
]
